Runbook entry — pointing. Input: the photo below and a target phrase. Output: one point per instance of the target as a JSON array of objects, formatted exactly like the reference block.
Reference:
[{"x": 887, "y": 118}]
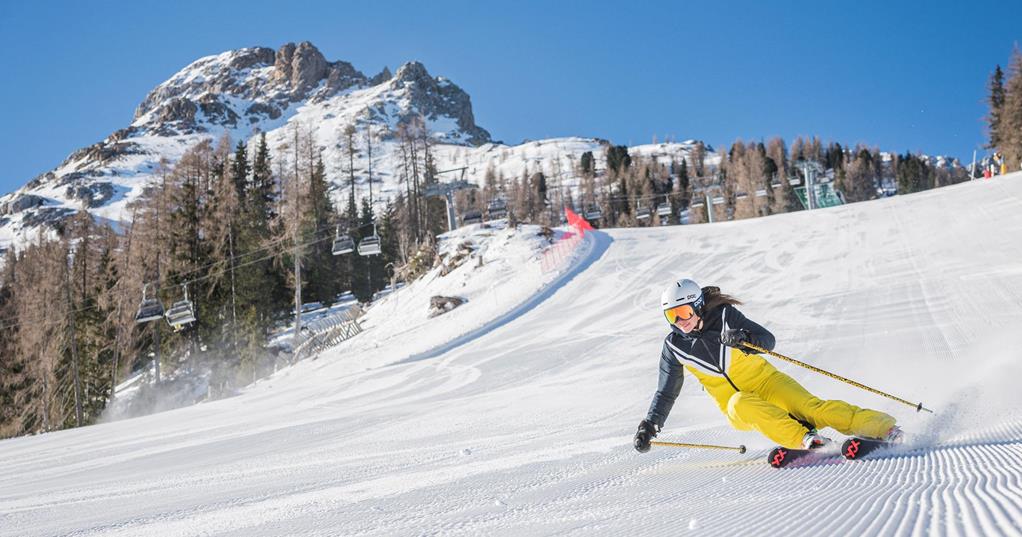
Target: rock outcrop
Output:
[{"x": 439, "y": 305}]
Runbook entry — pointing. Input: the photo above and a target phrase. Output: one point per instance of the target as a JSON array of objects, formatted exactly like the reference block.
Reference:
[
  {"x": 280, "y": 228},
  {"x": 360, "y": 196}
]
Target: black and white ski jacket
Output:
[{"x": 702, "y": 350}]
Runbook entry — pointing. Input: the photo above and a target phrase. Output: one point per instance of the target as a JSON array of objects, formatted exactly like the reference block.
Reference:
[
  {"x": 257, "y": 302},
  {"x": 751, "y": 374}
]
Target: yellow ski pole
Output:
[
  {"x": 815, "y": 369},
  {"x": 740, "y": 449}
]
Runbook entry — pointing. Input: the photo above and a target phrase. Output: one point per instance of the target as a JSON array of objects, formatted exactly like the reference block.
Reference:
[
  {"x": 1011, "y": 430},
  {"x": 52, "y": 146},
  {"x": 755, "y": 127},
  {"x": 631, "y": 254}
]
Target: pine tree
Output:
[
  {"x": 321, "y": 266},
  {"x": 618, "y": 159},
  {"x": 358, "y": 267},
  {"x": 588, "y": 164},
  {"x": 367, "y": 281},
  {"x": 13, "y": 378},
  {"x": 42, "y": 311},
  {"x": 240, "y": 172},
  {"x": 260, "y": 283},
  {"x": 858, "y": 183},
  {"x": 203, "y": 213},
  {"x": 913, "y": 174},
  {"x": 1009, "y": 124},
  {"x": 996, "y": 103}
]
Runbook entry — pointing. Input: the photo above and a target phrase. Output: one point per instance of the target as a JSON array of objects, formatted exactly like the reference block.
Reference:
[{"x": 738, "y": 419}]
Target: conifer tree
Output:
[
  {"x": 996, "y": 103},
  {"x": 357, "y": 265},
  {"x": 321, "y": 266},
  {"x": 13, "y": 378},
  {"x": 588, "y": 164},
  {"x": 1009, "y": 124},
  {"x": 260, "y": 281},
  {"x": 239, "y": 171},
  {"x": 913, "y": 174}
]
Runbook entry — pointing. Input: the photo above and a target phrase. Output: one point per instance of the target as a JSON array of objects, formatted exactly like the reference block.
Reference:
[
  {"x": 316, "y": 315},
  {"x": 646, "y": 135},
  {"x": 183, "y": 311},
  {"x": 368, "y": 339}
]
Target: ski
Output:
[
  {"x": 857, "y": 448},
  {"x": 781, "y": 457}
]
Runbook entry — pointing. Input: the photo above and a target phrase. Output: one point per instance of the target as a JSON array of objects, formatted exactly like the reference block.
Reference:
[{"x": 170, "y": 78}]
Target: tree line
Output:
[
  {"x": 746, "y": 180},
  {"x": 223, "y": 228},
  {"x": 232, "y": 230},
  {"x": 1004, "y": 117}
]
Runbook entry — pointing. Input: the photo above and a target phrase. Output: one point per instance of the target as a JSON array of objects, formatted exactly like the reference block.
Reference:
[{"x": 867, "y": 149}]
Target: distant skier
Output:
[{"x": 706, "y": 336}]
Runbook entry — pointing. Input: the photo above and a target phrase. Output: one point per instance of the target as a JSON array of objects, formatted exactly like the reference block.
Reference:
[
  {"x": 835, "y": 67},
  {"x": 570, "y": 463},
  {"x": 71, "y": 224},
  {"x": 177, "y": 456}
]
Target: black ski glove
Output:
[
  {"x": 647, "y": 431},
  {"x": 734, "y": 337}
]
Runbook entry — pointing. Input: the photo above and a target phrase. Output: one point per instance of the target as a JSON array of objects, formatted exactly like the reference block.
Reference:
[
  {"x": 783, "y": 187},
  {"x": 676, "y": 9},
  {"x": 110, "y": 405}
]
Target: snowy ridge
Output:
[{"x": 244, "y": 92}]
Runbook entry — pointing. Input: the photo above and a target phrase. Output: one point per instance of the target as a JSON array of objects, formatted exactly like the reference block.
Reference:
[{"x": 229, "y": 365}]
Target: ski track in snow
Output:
[{"x": 524, "y": 428}]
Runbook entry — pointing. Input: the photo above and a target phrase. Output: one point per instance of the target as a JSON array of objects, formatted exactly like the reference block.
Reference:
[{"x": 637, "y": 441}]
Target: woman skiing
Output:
[{"x": 707, "y": 333}]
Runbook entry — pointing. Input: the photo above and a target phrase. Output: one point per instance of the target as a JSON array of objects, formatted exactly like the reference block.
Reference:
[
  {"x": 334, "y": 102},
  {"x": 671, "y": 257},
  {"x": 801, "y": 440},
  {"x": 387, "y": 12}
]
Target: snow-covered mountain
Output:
[{"x": 243, "y": 92}]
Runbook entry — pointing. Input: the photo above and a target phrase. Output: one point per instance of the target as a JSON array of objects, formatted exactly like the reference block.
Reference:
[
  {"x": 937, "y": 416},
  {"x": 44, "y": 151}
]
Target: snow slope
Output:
[{"x": 525, "y": 429}]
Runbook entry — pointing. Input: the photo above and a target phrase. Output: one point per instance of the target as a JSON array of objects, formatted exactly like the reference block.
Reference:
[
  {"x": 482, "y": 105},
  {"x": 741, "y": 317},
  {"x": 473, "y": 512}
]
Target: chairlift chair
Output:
[
  {"x": 697, "y": 204},
  {"x": 593, "y": 213},
  {"x": 664, "y": 209},
  {"x": 182, "y": 312},
  {"x": 342, "y": 243},
  {"x": 150, "y": 309},
  {"x": 471, "y": 217},
  {"x": 497, "y": 208},
  {"x": 370, "y": 245},
  {"x": 741, "y": 196},
  {"x": 642, "y": 213}
]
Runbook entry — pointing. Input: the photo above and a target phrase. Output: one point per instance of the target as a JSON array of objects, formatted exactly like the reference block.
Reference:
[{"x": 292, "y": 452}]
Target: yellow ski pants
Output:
[{"x": 775, "y": 404}]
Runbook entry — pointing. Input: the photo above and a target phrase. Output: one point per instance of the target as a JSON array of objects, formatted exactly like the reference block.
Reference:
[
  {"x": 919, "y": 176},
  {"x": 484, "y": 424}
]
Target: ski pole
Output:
[
  {"x": 740, "y": 449},
  {"x": 918, "y": 406}
]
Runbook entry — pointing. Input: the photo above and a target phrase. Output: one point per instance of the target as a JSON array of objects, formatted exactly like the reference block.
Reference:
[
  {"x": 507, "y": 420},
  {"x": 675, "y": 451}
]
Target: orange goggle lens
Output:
[{"x": 683, "y": 312}]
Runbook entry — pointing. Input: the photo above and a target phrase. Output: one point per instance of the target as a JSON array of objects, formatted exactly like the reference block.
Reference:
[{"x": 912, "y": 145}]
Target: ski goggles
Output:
[{"x": 683, "y": 312}]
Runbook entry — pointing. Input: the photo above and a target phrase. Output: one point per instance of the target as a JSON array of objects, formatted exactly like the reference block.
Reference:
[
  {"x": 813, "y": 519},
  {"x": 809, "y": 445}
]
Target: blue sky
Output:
[{"x": 907, "y": 77}]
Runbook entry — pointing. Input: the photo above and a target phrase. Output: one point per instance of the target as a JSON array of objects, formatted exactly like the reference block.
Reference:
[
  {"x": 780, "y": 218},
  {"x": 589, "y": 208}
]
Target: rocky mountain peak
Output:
[
  {"x": 237, "y": 94},
  {"x": 302, "y": 66},
  {"x": 434, "y": 97},
  {"x": 412, "y": 71},
  {"x": 381, "y": 77}
]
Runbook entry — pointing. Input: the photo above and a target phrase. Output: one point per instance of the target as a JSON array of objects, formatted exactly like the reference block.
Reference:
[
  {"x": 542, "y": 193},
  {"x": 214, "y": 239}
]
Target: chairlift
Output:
[
  {"x": 370, "y": 245},
  {"x": 698, "y": 204},
  {"x": 794, "y": 181},
  {"x": 664, "y": 209},
  {"x": 593, "y": 213},
  {"x": 642, "y": 213},
  {"x": 497, "y": 208},
  {"x": 342, "y": 243},
  {"x": 471, "y": 217},
  {"x": 761, "y": 193},
  {"x": 741, "y": 195},
  {"x": 182, "y": 312},
  {"x": 775, "y": 185},
  {"x": 718, "y": 200},
  {"x": 150, "y": 309}
]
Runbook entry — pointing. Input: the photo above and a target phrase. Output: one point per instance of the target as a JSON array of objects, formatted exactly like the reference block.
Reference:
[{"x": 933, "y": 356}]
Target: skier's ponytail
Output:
[{"x": 713, "y": 298}]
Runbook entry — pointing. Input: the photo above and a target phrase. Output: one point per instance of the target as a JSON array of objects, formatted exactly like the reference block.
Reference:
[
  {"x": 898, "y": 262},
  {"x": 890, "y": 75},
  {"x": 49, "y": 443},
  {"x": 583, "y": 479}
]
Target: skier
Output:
[{"x": 707, "y": 333}]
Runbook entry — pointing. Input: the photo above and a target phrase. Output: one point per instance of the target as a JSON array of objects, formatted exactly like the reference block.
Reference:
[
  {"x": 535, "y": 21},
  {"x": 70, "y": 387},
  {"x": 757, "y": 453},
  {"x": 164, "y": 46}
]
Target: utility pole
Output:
[
  {"x": 159, "y": 209},
  {"x": 156, "y": 334},
  {"x": 810, "y": 185},
  {"x": 298, "y": 248},
  {"x": 369, "y": 144},
  {"x": 234, "y": 301}
]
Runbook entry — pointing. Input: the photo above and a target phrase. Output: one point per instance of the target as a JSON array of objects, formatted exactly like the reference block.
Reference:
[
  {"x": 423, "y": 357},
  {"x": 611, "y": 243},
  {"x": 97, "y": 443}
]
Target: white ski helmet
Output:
[{"x": 683, "y": 291}]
